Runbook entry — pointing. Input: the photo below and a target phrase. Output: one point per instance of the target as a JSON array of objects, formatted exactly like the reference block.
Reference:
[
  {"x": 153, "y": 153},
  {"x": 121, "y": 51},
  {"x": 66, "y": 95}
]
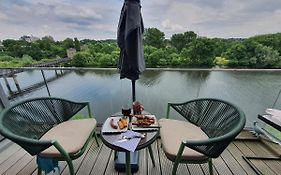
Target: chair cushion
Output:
[
  {"x": 173, "y": 132},
  {"x": 71, "y": 135}
]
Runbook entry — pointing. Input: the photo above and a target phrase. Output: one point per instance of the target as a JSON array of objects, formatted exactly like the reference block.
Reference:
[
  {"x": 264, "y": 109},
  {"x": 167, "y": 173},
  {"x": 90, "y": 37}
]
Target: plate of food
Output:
[
  {"x": 144, "y": 122},
  {"x": 115, "y": 125}
]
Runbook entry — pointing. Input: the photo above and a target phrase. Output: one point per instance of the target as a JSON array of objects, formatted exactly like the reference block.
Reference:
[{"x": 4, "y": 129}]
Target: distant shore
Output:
[{"x": 166, "y": 69}]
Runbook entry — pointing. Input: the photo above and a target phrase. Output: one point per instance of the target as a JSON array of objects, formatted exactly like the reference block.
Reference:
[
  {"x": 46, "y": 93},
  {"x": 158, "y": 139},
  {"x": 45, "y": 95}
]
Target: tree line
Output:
[{"x": 181, "y": 50}]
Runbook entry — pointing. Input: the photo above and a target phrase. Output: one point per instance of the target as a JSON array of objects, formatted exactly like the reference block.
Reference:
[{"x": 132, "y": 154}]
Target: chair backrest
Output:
[{"x": 27, "y": 121}]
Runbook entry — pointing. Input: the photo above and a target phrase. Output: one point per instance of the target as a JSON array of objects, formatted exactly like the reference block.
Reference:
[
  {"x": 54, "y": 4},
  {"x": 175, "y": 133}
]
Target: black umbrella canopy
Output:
[{"x": 129, "y": 37}]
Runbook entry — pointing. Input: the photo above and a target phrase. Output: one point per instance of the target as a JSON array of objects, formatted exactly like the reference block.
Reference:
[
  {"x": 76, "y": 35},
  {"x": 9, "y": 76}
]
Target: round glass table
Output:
[{"x": 150, "y": 137}]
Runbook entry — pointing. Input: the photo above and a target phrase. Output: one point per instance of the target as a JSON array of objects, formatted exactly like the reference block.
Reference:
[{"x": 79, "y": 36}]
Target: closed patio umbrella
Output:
[
  {"x": 129, "y": 38},
  {"x": 131, "y": 61}
]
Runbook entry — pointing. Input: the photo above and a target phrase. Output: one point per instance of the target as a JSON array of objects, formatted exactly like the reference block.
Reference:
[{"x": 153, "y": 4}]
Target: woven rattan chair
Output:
[
  {"x": 209, "y": 126},
  {"x": 42, "y": 126}
]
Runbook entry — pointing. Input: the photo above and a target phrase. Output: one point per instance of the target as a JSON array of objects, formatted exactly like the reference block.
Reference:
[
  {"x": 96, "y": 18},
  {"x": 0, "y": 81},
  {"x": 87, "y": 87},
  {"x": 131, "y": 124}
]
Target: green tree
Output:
[
  {"x": 81, "y": 59},
  {"x": 68, "y": 43},
  {"x": 33, "y": 50},
  {"x": 154, "y": 37},
  {"x": 77, "y": 45},
  {"x": 175, "y": 59},
  {"x": 270, "y": 40},
  {"x": 181, "y": 40},
  {"x": 14, "y": 48},
  {"x": 265, "y": 57},
  {"x": 200, "y": 52}
]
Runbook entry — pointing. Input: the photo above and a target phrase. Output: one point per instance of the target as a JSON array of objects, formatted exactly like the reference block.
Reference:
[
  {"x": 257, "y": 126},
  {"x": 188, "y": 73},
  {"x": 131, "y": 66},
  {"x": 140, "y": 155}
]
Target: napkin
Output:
[{"x": 130, "y": 144}]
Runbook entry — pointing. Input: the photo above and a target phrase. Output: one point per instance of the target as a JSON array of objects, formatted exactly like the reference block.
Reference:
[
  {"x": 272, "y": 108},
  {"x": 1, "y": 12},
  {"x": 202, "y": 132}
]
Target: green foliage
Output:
[
  {"x": 26, "y": 60},
  {"x": 200, "y": 52},
  {"x": 68, "y": 43},
  {"x": 270, "y": 40},
  {"x": 77, "y": 45},
  {"x": 221, "y": 61},
  {"x": 6, "y": 58},
  {"x": 81, "y": 59},
  {"x": 181, "y": 40},
  {"x": 181, "y": 50},
  {"x": 265, "y": 57},
  {"x": 154, "y": 37},
  {"x": 8, "y": 61}
]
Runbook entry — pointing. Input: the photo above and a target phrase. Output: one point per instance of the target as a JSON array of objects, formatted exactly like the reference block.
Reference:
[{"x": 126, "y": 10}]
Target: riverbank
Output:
[{"x": 160, "y": 69}]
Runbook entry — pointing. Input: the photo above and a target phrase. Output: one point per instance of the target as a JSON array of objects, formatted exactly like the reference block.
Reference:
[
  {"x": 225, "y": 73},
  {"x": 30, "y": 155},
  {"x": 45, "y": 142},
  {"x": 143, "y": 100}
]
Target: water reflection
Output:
[
  {"x": 150, "y": 78},
  {"x": 253, "y": 92}
]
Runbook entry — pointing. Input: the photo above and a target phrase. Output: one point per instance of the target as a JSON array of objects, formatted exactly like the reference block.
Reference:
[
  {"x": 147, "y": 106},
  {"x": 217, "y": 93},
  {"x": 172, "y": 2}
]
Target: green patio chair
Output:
[
  {"x": 209, "y": 127},
  {"x": 42, "y": 126}
]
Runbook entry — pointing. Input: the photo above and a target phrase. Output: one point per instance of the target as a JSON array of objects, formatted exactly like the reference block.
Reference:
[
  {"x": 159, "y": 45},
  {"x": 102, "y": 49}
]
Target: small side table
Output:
[{"x": 150, "y": 137}]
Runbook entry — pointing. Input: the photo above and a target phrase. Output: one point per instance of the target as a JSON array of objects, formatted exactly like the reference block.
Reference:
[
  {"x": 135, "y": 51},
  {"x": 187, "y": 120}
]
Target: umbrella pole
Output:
[{"x": 134, "y": 90}]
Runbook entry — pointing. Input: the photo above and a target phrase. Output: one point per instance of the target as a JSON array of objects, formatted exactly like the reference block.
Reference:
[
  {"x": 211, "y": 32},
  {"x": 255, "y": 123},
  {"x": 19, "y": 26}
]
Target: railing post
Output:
[
  {"x": 7, "y": 84},
  {"x": 45, "y": 82},
  {"x": 4, "y": 102},
  {"x": 16, "y": 82}
]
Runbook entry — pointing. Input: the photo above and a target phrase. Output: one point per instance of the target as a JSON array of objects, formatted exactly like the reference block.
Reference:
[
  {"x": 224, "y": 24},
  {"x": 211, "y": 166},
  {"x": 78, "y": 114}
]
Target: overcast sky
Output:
[{"x": 98, "y": 19}]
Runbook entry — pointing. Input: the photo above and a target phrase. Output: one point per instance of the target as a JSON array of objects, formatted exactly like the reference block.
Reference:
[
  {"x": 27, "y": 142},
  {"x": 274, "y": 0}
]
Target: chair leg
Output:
[
  {"x": 210, "y": 167},
  {"x": 178, "y": 158},
  {"x": 151, "y": 155},
  {"x": 115, "y": 155},
  {"x": 96, "y": 138},
  {"x": 39, "y": 171},
  {"x": 175, "y": 167},
  {"x": 70, "y": 166}
]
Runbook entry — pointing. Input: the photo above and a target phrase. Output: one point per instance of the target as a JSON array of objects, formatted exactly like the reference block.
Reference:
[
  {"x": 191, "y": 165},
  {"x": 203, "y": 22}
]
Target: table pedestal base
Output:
[{"x": 120, "y": 161}]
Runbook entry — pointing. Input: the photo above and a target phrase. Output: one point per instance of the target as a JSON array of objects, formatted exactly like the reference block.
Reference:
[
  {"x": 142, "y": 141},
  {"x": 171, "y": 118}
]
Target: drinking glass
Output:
[{"x": 126, "y": 110}]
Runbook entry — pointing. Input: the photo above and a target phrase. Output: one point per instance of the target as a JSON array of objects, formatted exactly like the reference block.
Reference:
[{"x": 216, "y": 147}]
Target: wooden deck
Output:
[{"x": 99, "y": 160}]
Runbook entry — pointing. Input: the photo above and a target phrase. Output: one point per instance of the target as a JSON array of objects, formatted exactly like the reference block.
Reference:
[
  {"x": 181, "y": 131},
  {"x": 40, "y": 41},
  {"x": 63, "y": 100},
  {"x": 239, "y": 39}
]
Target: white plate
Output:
[
  {"x": 151, "y": 127},
  {"x": 106, "y": 127}
]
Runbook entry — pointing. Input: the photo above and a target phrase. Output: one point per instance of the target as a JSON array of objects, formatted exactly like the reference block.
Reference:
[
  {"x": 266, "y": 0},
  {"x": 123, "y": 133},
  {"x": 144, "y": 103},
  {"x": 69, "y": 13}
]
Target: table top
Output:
[
  {"x": 109, "y": 138},
  {"x": 267, "y": 119}
]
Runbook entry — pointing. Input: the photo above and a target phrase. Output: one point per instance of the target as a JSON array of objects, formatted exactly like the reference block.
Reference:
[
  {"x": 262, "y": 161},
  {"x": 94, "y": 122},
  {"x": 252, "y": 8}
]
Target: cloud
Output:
[
  {"x": 99, "y": 18},
  {"x": 170, "y": 26}
]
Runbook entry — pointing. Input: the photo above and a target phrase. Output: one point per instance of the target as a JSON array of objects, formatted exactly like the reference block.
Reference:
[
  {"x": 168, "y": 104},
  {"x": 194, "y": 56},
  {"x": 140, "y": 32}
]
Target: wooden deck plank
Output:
[
  {"x": 221, "y": 166},
  {"x": 249, "y": 148},
  {"x": 143, "y": 161},
  {"x": 101, "y": 160},
  {"x": 263, "y": 168},
  {"x": 150, "y": 168},
  {"x": 5, "y": 154},
  {"x": 195, "y": 169},
  {"x": 165, "y": 164},
  {"x": 205, "y": 168},
  {"x": 12, "y": 160},
  {"x": 5, "y": 144},
  {"x": 90, "y": 159},
  {"x": 110, "y": 167},
  {"x": 276, "y": 148},
  {"x": 29, "y": 168},
  {"x": 19, "y": 164},
  {"x": 237, "y": 154},
  {"x": 232, "y": 164},
  {"x": 260, "y": 150}
]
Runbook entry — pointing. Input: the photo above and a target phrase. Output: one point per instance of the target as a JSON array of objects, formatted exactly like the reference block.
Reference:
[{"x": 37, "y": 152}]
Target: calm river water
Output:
[{"x": 252, "y": 91}]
